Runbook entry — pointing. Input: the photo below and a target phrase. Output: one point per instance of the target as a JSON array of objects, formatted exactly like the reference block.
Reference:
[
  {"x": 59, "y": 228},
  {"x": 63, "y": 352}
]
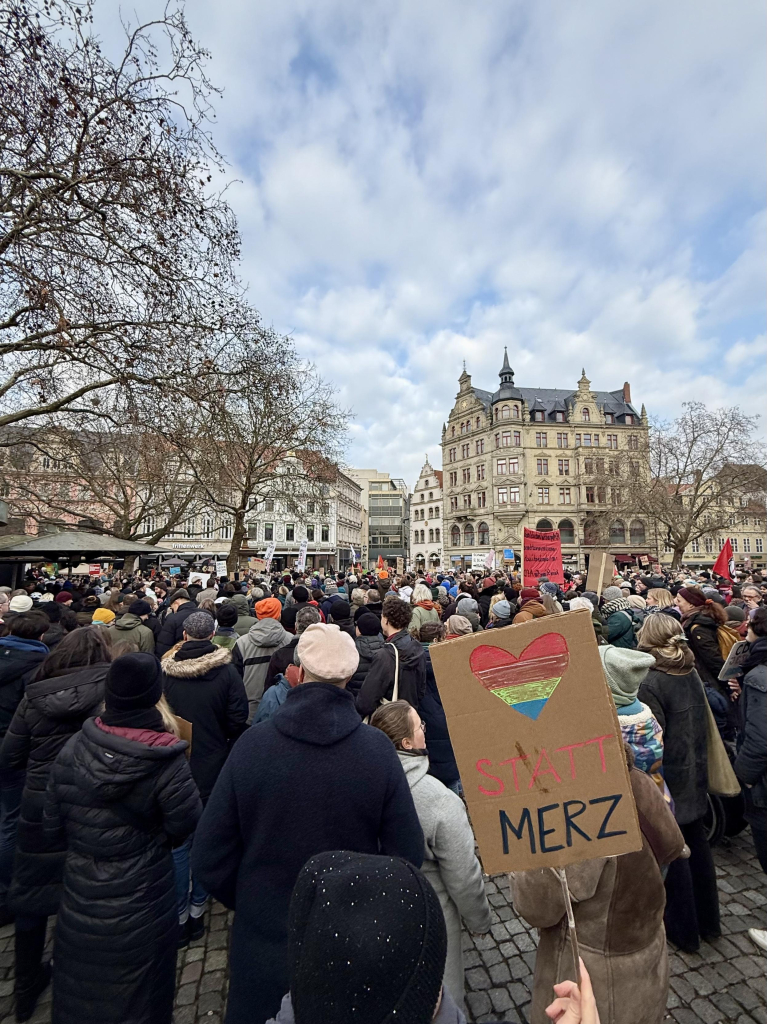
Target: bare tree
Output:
[
  {"x": 116, "y": 251},
  {"x": 267, "y": 428},
  {"x": 692, "y": 474}
]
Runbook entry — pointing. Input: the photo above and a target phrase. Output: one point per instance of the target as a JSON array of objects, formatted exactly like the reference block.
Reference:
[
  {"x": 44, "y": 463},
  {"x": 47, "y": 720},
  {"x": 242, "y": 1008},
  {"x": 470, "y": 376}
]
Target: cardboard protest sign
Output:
[
  {"x": 257, "y": 565},
  {"x": 541, "y": 556},
  {"x": 185, "y": 732},
  {"x": 199, "y": 577},
  {"x": 538, "y": 744},
  {"x": 220, "y": 567},
  {"x": 601, "y": 570},
  {"x": 400, "y": 565}
]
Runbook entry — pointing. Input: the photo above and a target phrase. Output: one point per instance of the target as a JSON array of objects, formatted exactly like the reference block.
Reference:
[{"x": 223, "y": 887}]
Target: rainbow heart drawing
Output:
[{"x": 525, "y": 682}]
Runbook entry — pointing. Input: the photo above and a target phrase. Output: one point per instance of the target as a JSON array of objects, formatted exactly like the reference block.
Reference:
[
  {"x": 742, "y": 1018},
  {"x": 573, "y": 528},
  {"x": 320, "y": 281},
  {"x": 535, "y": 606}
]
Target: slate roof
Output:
[{"x": 553, "y": 400}]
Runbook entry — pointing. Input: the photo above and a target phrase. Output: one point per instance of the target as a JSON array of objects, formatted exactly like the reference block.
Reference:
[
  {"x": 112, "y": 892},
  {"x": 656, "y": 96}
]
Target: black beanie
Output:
[
  {"x": 300, "y": 594},
  {"x": 367, "y": 941},
  {"x": 133, "y": 682},
  {"x": 369, "y": 624},
  {"x": 340, "y": 610},
  {"x": 140, "y": 608}
]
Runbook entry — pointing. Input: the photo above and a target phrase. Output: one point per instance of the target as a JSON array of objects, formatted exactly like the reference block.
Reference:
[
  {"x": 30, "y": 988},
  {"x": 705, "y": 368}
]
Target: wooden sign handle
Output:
[{"x": 571, "y": 925}]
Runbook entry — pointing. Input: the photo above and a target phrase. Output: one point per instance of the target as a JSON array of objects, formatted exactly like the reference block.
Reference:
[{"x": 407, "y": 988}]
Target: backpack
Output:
[{"x": 727, "y": 637}]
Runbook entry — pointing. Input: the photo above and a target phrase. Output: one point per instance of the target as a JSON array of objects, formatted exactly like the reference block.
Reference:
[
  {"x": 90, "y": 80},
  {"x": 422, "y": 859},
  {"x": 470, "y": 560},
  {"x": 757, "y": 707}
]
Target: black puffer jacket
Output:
[
  {"x": 18, "y": 660},
  {"x": 367, "y": 648},
  {"x": 379, "y": 682},
  {"x": 700, "y": 629},
  {"x": 50, "y": 713},
  {"x": 679, "y": 704},
  {"x": 442, "y": 763},
  {"x": 751, "y": 762},
  {"x": 172, "y": 631},
  {"x": 117, "y": 805},
  {"x": 203, "y": 687}
]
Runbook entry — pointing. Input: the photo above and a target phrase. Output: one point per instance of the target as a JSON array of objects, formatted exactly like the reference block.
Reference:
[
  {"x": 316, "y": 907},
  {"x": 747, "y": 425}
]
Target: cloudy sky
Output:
[{"x": 423, "y": 183}]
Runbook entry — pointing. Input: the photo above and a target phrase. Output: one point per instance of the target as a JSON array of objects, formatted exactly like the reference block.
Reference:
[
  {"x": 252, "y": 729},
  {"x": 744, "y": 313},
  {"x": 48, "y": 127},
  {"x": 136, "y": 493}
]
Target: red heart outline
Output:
[{"x": 543, "y": 658}]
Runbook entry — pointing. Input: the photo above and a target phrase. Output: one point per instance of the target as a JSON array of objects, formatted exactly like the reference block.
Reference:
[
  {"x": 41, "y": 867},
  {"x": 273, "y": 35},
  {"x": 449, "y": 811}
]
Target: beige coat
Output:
[{"x": 618, "y": 919}]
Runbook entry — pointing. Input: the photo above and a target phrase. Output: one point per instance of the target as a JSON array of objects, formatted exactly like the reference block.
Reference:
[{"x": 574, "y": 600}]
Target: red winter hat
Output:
[
  {"x": 529, "y": 594},
  {"x": 488, "y": 582},
  {"x": 63, "y": 597}
]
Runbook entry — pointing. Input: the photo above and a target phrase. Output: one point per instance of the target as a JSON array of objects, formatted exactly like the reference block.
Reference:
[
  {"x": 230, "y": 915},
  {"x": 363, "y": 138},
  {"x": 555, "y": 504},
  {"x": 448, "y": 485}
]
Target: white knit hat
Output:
[{"x": 327, "y": 654}]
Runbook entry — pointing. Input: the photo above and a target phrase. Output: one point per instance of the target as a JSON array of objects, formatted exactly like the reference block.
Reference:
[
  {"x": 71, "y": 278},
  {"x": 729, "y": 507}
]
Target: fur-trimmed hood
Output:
[{"x": 191, "y": 668}]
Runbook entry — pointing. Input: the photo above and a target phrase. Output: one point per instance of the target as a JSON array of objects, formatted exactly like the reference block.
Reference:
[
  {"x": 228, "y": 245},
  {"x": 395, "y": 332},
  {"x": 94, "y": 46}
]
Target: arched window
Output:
[
  {"x": 478, "y": 423},
  {"x": 516, "y": 412},
  {"x": 544, "y": 524},
  {"x": 431, "y": 536},
  {"x": 463, "y": 428},
  {"x": 436, "y": 511},
  {"x": 566, "y": 531},
  {"x": 637, "y": 532},
  {"x": 505, "y": 412},
  {"x": 423, "y": 537},
  {"x": 431, "y": 511},
  {"x": 452, "y": 431},
  {"x": 431, "y": 495},
  {"x": 618, "y": 532},
  {"x": 590, "y": 532},
  {"x": 436, "y": 535},
  {"x": 455, "y": 536},
  {"x": 483, "y": 534},
  {"x": 468, "y": 535},
  {"x": 586, "y": 415}
]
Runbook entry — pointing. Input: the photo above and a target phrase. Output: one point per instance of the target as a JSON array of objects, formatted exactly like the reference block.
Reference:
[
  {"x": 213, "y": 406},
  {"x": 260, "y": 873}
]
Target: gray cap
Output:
[{"x": 199, "y": 625}]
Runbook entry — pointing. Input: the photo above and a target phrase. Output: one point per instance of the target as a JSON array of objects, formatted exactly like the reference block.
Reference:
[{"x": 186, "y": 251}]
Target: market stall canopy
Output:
[{"x": 68, "y": 544}]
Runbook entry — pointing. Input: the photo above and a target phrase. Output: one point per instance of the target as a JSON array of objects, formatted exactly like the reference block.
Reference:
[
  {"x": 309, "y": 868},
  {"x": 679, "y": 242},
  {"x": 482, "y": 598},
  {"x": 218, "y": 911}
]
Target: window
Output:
[
  {"x": 436, "y": 511},
  {"x": 268, "y": 531},
  {"x": 617, "y": 532},
  {"x": 734, "y": 542},
  {"x": 290, "y": 531},
  {"x": 591, "y": 496},
  {"x": 588, "y": 466},
  {"x": 538, "y": 416},
  {"x": 453, "y": 478},
  {"x": 609, "y": 417},
  {"x": 566, "y": 531},
  {"x": 225, "y": 531},
  {"x": 465, "y": 448},
  {"x": 481, "y": 499},
  {"x": 517, "y": 438},
  {"x": 637, "y": 531},
  {"x": 467, "y": 501},
  {"x": 503, "y": 495},
  {"x": 668, "y": 547},
  {"x": 483, "y": 535},
  {"x": 562, "y": 441},
  {"x": 543, "y": 496},
  {"x": 747, "y": 545},
  {"x": 513, "y": 495},
  {"x": 542, "y": 467},
  {"x": 543, "y": 524},
  {"x": 565, "y": 496},
  {"x": 540, "y": 439},
  {"x": 590, "y": 533},
  {"x": 431, "y": 536},
  {"x": 505, "y": 412},
  {"x": 463, "y": 428},
  {"x": 468, "y": 535},
  {"x": 480, "y": 446},
  {"x": 513, "y": 465},
  {"x": 596, "y": 440},
  {"x": 481, "y": 472},
  {"x": 612, "y": 441},
  {"x": 479, "y": 421},
  {"x": 500, "y": 467},
  {"x": 453, "y": 504},
  {"x": 744, "y": 520},
  {"x": 431, "y": 513},
  {"x": 709, "y": 545},
  {"x": 452, "y": 431},
  {"x": 466, "y": 475},
  {"x": 455, "y": 536},
  {"x": 431, "y": 493},
  {"x": 436, "y": 535},
  {"x": 310, "y": 507},
  {"x": 252, "y": 531},
  {"x": 506, "y": 438},
  {"x": 324, "y": 534},
  {"x": 559, "y": 417},
  {"x": 422, "y": 536},
  {"x": 629, "y": 419},
  {"x": 615, "y": 495},
  {"x": 633, "y": 442},
  {"x": 207, "y": 527},
  {"x": 310, "y": 534},
  {"x": 516, "y": 412},
  {"x": 586, "y": 415},
  {"x": 452, "y": 454},
  {"x": 586, "y": 442},
  {"x": 269, "y": 505},
  {"x": 759, "y": 545}
]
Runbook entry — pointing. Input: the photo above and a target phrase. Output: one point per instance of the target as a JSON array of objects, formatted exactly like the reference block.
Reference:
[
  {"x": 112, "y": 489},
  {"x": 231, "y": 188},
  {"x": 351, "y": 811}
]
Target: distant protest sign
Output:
[
  {"x": 257, "y": 565},
  {"x": 541, "y": 556},
  {"x": 538, "y": 745},
  {"x": 601, "y": 571}
]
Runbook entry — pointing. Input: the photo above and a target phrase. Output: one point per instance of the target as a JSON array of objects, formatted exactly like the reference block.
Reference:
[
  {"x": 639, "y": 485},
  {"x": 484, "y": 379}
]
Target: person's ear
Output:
[{"x": 300, "y": 674}]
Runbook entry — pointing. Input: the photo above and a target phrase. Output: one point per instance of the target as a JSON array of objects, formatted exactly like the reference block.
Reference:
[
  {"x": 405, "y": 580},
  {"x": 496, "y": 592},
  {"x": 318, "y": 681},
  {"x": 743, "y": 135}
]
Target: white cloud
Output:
[{"x": 426, "y": 183}]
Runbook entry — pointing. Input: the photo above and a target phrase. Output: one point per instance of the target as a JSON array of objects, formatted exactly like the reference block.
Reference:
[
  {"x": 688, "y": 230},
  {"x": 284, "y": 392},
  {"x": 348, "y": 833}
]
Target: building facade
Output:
[
  {"x": 538, "y": 457},
  {"x": 385, "y": 517},
  {"x": 426, "y": 519}
]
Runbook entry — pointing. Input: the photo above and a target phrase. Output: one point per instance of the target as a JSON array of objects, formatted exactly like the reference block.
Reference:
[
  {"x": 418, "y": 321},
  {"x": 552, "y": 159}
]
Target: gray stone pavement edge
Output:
[{"x": 726, "y": 981}]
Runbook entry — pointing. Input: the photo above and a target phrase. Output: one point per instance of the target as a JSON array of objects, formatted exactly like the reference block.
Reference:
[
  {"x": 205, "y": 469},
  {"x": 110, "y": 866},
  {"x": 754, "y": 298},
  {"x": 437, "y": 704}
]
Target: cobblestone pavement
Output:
[{"x": 726, "y": 981}]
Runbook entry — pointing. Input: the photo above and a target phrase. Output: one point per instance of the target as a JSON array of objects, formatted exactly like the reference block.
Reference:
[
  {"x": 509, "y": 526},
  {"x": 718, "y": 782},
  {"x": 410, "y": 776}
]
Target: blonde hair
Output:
[
  {"x": 637, "y": 601},
  {"x": 358, "y": 597},
  {"x": 661, "y": 597},
  {"x": 168, "y": 718},
  {"x": 551, "y": 605},
  {"x": 663, "y": 637}
]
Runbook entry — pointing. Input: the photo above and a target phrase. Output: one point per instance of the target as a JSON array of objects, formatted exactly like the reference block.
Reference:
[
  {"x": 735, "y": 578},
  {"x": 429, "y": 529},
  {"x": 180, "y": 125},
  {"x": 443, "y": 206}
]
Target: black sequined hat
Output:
[{"x": 367, "y": 942}]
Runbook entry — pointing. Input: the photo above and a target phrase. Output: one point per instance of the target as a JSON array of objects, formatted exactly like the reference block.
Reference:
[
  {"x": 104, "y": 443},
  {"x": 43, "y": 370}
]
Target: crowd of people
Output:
[{"x": 320, "y": 798}]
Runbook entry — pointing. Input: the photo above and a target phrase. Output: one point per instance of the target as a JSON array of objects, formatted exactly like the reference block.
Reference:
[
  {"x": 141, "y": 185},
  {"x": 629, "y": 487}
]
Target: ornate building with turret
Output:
[{"x": 546, "y": 458}]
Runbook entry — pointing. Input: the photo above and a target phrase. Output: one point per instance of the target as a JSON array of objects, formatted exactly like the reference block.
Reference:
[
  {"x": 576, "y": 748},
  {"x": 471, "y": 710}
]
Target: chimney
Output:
[{"x": 627, "y": 393}]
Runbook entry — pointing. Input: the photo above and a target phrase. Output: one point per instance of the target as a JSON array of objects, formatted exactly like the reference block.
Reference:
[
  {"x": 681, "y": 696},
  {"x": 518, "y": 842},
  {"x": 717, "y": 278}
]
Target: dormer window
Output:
[
  {"x": 538, "y": 416},
  {"x": 629, "y": 419},
  {"x": 559, "y": 417},
  {"x": 609, "y": 417},
  {"x": 586, "y": 415},
  {"x": 505, "y": 412}
]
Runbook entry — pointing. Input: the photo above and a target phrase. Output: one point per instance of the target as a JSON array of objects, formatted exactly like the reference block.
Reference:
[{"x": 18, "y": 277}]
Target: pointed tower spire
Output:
[{"x": 506, "y": 374}]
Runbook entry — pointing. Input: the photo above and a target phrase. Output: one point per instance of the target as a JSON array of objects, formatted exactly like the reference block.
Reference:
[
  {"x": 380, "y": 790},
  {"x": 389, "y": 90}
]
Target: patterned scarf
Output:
[{"x": 619, "y": 605}]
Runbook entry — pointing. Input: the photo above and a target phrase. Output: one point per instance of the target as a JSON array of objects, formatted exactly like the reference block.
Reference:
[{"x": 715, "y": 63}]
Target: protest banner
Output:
[
  {"x": 94, "y": 569},
  {"x": 301, "y": 563},
  {"x": 601, "y": 571},
  {"x": 257, "y": 565},
  {"x": 490, "y": 560},
  {"x": 400, "y": 565},
  {"x": 538, "y": 745},
  {"x": 175, "y": 570},
  {"x": 220, "y": 567},
  {"x": 541, "y": 556},
  {"x": 478, "y": 561},
  {"x": 269, "y": 555}
]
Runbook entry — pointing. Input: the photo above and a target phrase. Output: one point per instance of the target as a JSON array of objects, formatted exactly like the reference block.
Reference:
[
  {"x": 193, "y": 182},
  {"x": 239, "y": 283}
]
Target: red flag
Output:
[
  {"x": 725, "y": 563},
  {"x": 381, "y": 562}
]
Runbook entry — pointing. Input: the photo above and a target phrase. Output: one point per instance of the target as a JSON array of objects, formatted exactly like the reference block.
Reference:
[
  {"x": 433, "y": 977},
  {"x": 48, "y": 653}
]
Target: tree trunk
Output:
[
  {"x": 676, "y": 561},
  {"x": 238, "y": 534},
  {"x": 130, "y": 561}
]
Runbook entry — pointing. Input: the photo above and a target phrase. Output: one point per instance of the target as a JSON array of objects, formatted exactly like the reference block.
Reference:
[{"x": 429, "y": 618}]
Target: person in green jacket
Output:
[
  {"x": 619, "y": 622},
  {"x": 132, "y": 627}
]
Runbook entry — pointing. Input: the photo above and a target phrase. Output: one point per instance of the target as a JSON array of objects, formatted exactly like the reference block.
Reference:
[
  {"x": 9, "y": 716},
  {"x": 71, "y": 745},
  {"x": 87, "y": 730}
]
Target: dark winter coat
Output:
[
  {"x": 117, "y": 805},
  {"x": 203, "y": 687},
  {"x": 700, "y": 630},
  {"x": 375, "y": 608},
  {"x": 50, "y": 712},
  {"x": 619, "y": 628},
  {"x": 310, "y": 779},
  {"x": 172, "y": 631},
  {"x": 279, "y": 661},
  {"x": 751, "y": 762},
  {"x": 379, "y": 682},
  {"x": 441, "y": 757},
  {"x": 679, "y": 705},
  {"x": 483, "y": 601},
  {"x": 367, "y": 648},
  {"x": 18, "y": 660}
]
